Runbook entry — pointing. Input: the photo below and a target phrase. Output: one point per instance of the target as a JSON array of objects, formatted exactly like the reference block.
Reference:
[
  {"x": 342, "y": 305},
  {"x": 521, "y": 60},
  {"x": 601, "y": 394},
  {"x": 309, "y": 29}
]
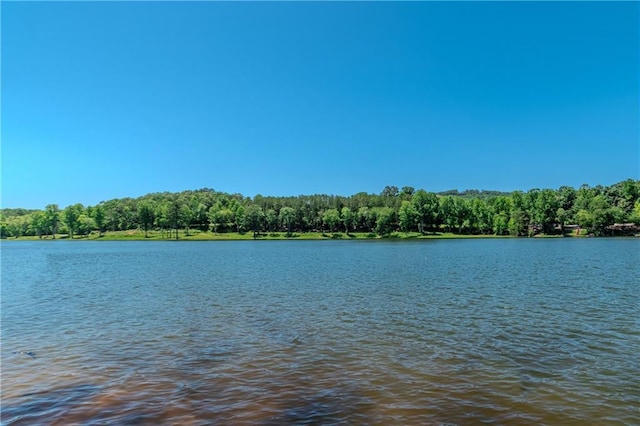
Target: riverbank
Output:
[{"x": 197, "y": 235}]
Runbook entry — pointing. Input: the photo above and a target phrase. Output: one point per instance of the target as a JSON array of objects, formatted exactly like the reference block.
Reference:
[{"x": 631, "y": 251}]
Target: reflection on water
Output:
[{"x": 275, "y": 333}]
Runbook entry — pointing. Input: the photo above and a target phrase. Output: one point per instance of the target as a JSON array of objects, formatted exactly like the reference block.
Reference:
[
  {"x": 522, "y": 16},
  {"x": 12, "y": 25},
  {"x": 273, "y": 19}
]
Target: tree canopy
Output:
[{"x": 595, "y": 210}]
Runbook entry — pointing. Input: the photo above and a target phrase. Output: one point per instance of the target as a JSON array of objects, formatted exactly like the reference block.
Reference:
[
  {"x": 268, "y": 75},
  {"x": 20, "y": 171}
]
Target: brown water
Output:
[{"x": 515, "y": 332}]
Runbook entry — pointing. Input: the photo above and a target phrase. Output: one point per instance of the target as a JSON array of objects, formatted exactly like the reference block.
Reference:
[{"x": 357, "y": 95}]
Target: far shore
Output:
[{"x": 197, "y": 235}]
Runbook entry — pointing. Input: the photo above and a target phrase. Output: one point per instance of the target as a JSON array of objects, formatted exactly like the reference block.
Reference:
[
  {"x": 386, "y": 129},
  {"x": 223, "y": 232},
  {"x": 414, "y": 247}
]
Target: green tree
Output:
[
  {"x": 10, "y": 228},
  {"x": 16, "y": 226},
  {"x": 220, "y": 217},
  {"x": 287, "y": 217},
  {"x": 602, "y": 213},
  {"x": 348, "y": 219},
  {"x": 449, "y": 212},
  {"x": 238, "y": 216},
  {"x": 85, "y": 224},
  {"x": 389, "y": 196},
  {"x": 545, "y": 209},
  {"x": 585, "y": 219},
  {"x": 501, "y": 214},
  {"x": 97, "y": 213},
  {"x": 52, "y": 217},
  {"x": 516, "y": 225},
  {"x": 70, "y": 216},
  {"x": 366, "y": 218},
  {"x": 481, "y": 217},
  {"x": 566, "y": 196},
  {"x": 427, "y": 206},
  {"x": 187, "y": 215},
  {"x": 146, "y": 216},
  {"x": 385, "y": 219},
  {"x": 214, "y": 217},
  {"x": 331, "y": 218},
  {"x": 519, "y": 218},
  {"x": 562, "y": 216},
  {"x": 174, "y": 216},
  {"x": 253, "y": 218},
  {"x": 500, "y": 223},
  {"x": 389, "y": 191},
  {"x": 407, "y": 192},
  {"x": 199, "y": 214},
  {"x": 635, "y": 214},
  {"x": 629, "y": 194},
  {"x": 583, "y": 198},
  {"x": 161, "y": 213},
  {"x": 407, "y": 216},
  {"x": 501, "y": 204},
  {"x": 194, "y": 212},
  {"x": 271, "y": 219},
  {"x": 463, "y": 213},
  {"x": 39, "y": 223}
]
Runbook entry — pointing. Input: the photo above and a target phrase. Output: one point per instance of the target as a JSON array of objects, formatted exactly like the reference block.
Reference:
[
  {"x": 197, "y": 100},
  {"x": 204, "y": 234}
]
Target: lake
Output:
[{"x": 439, "y": 332}]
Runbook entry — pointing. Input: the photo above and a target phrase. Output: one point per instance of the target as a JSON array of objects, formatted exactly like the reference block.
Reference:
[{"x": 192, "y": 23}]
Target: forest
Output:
[{"x": 597, "y": 211}]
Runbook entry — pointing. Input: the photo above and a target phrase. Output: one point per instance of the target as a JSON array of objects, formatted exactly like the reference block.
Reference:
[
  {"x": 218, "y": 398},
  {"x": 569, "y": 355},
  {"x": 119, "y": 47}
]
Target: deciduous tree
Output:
[
  {"x": 287, "y": 217},
  {"x": 427, "y": 206},
  {"x": 253, "y": 218},
  {"x": 146, "y": 216},
  {"x": 407, "y": 216},
  {"x": 97, "y": 213},
  {"x": 545, "y": 209},
  {"x": 331, "y": 218},
  {"x": 385, "y": 218},
  {"x": 52, "y": 216},
  {"x": 70, "y": 215},
  {"x": 39, "y": 223},
  {"x": 271, "y": 219},
  {"x": 348, "y": 219}
]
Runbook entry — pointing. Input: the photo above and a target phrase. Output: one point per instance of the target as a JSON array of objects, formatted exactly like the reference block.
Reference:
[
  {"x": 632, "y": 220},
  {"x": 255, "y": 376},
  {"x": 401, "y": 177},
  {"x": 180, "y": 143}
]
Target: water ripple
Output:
[{"x": 444, "y": 333}]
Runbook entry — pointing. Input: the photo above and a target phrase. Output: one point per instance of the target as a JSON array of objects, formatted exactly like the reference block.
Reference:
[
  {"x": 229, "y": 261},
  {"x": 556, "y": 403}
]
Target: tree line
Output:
[{"x": 594, "y": 210}]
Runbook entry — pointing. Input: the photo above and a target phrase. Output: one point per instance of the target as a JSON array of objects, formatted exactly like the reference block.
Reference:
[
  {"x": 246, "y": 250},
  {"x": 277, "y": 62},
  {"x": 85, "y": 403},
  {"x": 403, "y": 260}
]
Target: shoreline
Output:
[{"x": 196, "y": 235}]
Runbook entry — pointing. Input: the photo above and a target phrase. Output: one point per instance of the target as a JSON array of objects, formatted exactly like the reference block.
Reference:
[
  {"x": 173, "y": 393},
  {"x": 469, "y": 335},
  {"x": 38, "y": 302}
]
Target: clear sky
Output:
[{"x": 104, "y": 100}]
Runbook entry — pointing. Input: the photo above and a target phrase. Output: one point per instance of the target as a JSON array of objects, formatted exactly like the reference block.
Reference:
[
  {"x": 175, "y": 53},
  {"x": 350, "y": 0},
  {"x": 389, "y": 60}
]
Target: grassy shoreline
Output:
[{"x": 196, "y": 235}]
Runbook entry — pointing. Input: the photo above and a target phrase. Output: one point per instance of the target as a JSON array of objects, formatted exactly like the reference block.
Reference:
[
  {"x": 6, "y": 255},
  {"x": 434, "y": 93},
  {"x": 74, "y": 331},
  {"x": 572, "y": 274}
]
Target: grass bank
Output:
[{"x": 196, "y": 235}]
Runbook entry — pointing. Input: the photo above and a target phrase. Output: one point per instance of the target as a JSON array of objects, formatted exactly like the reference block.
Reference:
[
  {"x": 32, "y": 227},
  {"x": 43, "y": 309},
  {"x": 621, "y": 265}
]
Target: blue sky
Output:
[{"x": 103, "y": 100}]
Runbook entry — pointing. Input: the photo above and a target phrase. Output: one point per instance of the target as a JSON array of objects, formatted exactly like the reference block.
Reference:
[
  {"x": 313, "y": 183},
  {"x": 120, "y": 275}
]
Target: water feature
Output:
[{"x": 446, "y": 332}]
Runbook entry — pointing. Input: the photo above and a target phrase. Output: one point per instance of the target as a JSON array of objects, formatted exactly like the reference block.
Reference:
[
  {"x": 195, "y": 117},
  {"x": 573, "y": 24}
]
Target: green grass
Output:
[{"x": 197, "y": 235}]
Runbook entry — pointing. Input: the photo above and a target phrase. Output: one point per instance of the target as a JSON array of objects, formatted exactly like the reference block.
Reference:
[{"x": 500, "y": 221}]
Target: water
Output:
[{"x": 460, "y": 332}]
